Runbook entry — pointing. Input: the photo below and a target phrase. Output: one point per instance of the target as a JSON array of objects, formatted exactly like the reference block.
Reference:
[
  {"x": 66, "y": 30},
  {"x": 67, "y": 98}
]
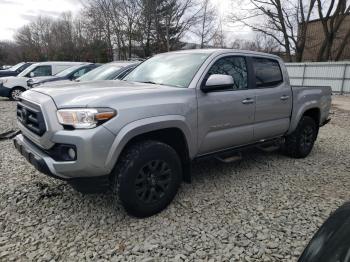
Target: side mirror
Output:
[
  {"x": 31, "y": 74},
  {"x": 218, "y": 83},
  {"x": 74, "y": 77}
]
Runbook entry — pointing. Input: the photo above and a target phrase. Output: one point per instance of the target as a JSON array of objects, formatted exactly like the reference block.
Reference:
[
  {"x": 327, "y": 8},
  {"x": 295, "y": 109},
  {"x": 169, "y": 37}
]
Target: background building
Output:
[{"x": 315, "y": 37}]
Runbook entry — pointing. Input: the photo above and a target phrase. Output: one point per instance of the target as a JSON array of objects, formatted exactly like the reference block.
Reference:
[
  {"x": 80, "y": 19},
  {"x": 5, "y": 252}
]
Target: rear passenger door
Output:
[
  {"x": 273, "y": 99},
  {"x": 226, "y": 117}
]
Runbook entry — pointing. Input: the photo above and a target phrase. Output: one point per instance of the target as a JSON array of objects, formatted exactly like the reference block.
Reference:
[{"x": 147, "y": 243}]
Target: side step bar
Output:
[
  {"x": 229, "y": 158},
  {"x": 233, "y": 154}
]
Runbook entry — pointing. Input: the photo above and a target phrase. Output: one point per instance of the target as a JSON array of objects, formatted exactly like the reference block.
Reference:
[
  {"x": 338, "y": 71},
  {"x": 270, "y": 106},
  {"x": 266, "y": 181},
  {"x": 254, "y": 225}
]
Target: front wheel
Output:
[
  {"x": 300, "y": 143},
  {"x": 16, "y": 93},
  {"x": 147, "y": 178}
]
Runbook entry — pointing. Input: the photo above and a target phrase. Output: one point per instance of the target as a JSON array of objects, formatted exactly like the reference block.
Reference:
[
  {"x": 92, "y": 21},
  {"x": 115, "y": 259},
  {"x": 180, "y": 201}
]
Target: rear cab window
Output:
[{"x": 268, "y": 72}]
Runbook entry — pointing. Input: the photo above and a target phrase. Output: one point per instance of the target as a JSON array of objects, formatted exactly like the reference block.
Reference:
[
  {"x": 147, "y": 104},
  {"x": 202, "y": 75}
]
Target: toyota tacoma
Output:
[{"x": 140, "y": 135}]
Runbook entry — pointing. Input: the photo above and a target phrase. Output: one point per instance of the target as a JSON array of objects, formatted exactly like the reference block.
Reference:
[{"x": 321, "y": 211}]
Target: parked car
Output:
[
  {"x": 12, "y": 87},
  {"x": 15, "y": 70},
  {"x": 71, "y": 73},
  {"x": 111, "y": 71},
  {"x": 139, "y": 136},
  {"x": 5, "y": 67}
]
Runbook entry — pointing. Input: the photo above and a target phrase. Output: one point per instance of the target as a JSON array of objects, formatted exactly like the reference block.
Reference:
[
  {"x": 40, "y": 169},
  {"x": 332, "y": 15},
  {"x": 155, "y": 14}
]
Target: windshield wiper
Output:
[{"x": 149, "y": 82}]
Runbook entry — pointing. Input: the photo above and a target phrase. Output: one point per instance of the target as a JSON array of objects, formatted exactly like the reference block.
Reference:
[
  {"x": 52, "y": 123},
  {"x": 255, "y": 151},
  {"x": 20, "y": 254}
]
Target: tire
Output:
[
  {"x": 147, "y": 178},
  {"x": 300, "y": 143},
  {"x": 15, "y": 93},
  {"x": 331, "y": 242}
]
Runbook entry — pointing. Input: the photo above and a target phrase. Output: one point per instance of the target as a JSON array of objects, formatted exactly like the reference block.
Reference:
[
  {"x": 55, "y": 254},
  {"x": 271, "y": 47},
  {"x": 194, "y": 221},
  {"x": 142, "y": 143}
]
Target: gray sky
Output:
[{"x": 16, "y": 13}]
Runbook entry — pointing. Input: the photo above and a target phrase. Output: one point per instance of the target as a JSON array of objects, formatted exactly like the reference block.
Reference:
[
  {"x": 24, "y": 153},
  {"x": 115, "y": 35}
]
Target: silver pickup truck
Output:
[{"x": 139, "y": 136}]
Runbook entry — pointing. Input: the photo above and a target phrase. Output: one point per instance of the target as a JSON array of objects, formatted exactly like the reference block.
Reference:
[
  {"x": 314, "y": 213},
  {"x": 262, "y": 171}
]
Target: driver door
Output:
[{"x": 226, "y": 118}]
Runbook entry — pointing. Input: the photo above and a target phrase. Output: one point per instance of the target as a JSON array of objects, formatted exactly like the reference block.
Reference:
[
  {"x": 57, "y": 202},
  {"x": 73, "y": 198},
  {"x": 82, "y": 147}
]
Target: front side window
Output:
[
  {"x": 234, "y": 66},
  {"x": 171, "y": 69},
  {"x": 67, "y": 71},
  {"x": 81, "y": 72},
  {"x": 42, "y": 71},
  {"x": 267, "y": 72},
  {"x": 125, "y": 73}
]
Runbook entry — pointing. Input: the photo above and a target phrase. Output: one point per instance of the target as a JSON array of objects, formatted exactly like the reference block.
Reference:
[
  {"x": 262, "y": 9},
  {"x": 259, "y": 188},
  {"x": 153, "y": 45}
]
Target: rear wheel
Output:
[
  {"x": 15, "y": 93},
  {"x": 300, "y": 143},
  {"x": 147, "y": 178}
]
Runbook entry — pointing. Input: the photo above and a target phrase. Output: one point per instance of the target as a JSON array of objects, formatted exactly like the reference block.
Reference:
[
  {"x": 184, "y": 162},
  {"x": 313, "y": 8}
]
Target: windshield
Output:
[
  {"x": 105, "y": 72},
  {"x": 15, "y": 67},
  {"x": 27, "y": 70},
  {"x": 174, "y": 69},
  {"x": 67, "y": 71}
]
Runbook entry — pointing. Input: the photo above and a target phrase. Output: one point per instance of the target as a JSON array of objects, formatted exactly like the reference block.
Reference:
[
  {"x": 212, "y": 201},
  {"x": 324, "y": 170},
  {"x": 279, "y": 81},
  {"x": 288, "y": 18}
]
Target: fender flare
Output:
[
  {"x": 297, "y": 115},
  {"x": 143, "y": 126}
]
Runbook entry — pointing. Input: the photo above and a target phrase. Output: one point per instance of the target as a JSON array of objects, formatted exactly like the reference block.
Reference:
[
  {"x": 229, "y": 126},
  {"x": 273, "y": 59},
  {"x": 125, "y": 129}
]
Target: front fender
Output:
[{"x": 146, "y": 125}]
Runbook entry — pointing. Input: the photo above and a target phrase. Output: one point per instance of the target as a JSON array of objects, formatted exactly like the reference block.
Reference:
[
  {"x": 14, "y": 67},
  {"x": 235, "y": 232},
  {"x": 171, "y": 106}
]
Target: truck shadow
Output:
[{"x": 207, "y": 176}]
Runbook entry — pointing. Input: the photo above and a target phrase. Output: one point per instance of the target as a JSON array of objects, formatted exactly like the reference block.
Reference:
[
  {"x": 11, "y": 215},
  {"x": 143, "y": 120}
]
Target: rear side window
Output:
[{"x": 267, "y": 72}]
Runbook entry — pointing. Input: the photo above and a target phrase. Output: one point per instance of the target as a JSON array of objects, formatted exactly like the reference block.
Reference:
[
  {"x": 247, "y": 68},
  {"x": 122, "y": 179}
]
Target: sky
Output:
[{"x": 16, "y": 13}]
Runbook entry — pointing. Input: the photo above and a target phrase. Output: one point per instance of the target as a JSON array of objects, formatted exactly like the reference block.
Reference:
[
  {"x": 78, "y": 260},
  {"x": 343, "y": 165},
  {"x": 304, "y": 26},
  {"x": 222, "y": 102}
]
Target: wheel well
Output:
[
  {"x": 315, "y": 114},
  {"x": 173, "y": 137},
  {"x": 18, "y": 87}
]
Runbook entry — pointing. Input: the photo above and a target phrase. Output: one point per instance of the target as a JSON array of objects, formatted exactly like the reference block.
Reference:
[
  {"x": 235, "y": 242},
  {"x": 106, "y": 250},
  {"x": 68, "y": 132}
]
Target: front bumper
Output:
[
  {"x": 32, "y": 155},
  {"x": 4, "y": 91},
  {"x": 83, "y": 167}
]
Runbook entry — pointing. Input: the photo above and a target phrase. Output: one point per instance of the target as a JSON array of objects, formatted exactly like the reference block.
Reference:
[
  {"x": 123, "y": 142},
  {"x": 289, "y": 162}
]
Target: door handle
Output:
[
  {"x": 284, "y": 97},
  {"x": 248, "y": 101}
]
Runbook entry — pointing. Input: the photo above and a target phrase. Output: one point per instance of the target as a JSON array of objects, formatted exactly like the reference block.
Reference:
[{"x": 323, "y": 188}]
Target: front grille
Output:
[{"x": 31, "y": 117}]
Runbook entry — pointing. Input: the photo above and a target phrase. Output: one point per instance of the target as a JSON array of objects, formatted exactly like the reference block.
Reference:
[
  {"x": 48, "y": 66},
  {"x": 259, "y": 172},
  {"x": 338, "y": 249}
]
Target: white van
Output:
[{"x": 13, "y": 86}]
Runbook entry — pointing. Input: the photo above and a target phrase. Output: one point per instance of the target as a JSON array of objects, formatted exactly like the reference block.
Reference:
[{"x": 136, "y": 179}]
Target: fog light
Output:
[{"x": 71, "y": 153}]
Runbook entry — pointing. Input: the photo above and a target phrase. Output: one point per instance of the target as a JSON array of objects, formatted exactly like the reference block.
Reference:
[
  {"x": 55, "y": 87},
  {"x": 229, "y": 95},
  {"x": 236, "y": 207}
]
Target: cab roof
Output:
[{"x": 226, "y": 51}]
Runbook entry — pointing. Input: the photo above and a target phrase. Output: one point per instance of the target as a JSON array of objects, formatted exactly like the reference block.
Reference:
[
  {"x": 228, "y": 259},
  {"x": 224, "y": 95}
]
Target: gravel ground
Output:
[{"x": 265, "y": 207}]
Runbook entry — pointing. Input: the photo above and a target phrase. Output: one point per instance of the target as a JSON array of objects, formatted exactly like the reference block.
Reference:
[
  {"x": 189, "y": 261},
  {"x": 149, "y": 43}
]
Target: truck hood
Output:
[
  {"x": 45, "y": 79},
  {"x": 98, "y": 93}
]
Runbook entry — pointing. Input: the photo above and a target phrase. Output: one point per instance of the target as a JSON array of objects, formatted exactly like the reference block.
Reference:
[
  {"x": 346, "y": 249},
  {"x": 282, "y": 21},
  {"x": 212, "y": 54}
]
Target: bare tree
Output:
[
  {"x": 130, "y": 13},
  {"x": 173, "y": 18},
  {"x": 219, "y": 39},
  {"x": 261, "y": 43},
  {"x": 207, "y": 23},
  {"x": 279, "y": 20},
  {"x": 332, "y": 15},
  {"x": 108, "y": 28}
]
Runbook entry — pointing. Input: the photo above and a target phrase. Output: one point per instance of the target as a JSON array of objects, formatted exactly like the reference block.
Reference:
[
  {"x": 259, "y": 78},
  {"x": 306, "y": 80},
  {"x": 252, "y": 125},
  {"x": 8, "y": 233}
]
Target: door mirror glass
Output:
[{"x": 218, "y": 82}]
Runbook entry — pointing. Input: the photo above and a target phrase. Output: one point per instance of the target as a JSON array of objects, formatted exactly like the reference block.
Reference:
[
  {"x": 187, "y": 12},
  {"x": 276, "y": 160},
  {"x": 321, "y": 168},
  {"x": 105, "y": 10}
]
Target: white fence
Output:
[{"x": 334, "y": 74}]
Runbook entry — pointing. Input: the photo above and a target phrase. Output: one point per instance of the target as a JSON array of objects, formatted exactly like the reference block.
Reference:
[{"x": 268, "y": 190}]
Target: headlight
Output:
[
  {"x": 3, "y": 81},
  {"x": 84, "y": 118}
]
